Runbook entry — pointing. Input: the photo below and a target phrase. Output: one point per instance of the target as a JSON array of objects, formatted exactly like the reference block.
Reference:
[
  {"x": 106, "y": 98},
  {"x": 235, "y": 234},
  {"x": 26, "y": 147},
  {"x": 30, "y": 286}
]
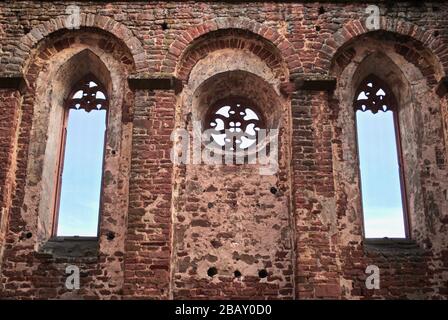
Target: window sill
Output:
[
  {"x": 392, "y": 245},
  {"x": 71, "y": 247}
]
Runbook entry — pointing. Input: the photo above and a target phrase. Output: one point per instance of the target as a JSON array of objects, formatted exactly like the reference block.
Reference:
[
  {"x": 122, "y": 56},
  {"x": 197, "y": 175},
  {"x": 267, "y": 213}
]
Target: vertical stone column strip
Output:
[
  {"x": 442, "y": 92},
  {"x": 318, "y": 271},
  {"x": 441, "y": 273},
  {"x": 10, "y": 100},
  {"x": 148, "y": 238}
]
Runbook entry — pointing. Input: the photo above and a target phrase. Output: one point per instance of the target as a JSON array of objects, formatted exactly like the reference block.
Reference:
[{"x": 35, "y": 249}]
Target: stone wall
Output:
[{"x": 198, "y": 231}]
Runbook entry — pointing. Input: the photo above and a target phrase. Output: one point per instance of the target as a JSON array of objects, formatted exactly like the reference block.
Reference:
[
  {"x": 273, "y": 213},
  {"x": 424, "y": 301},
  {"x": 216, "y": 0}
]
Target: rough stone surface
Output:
[{"x": 199, "y": 231}]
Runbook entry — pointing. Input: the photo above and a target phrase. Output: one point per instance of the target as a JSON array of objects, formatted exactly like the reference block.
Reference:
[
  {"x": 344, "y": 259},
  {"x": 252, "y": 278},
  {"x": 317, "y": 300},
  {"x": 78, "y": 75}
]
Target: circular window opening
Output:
[{"x": 234, "y": 124}]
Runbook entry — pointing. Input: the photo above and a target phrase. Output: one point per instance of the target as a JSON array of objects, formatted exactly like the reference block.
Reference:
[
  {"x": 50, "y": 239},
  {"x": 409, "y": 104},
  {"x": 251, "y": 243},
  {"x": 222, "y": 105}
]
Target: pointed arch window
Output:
[
  {"x": 380, "y": 158},
  {"x": 81, "y": 157}
]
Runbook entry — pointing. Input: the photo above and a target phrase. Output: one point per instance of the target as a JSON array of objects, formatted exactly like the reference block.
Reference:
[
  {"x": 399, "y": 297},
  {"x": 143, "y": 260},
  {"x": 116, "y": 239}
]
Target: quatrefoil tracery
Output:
[
  {"x": 374, "y": 95},
  {"x": 88, "y": 95},
  {"x": 235, "y": 123}
]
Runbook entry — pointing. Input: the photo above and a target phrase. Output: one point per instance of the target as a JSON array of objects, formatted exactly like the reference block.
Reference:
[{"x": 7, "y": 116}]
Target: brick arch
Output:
[
  {"x": 55, "y": 43},
  {"x": 356, "y": 28},
  {"x": 236, "y": 39},
  {"x": 187, "y": 39},
  {"x": 408, "y": 48},
  {"x": 103, "y": 23}
]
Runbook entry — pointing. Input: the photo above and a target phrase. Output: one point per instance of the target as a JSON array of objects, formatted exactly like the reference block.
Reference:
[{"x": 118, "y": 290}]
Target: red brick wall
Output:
[
  {"x": 314, "y": 191},
  {"x": 148, "y": 238},
  {"x": 9, "y": 102},
  {"x": 320, "y": 252}
]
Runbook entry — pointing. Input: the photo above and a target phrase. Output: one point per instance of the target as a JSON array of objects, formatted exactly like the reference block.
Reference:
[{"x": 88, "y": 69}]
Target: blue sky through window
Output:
[
  {"x": 81, "y": 178},
  {"x": 380, "y": 179}
]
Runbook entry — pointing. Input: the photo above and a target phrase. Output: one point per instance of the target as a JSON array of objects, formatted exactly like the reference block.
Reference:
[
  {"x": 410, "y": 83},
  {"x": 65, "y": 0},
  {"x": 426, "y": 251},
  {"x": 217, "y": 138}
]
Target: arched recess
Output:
[
  {"x": 421, "y": 127},
  {"x": 222, "y": 54},
  {"x": 217, "y": 72},
  {"x": 410, "y": 50},
  {"x": 77, "y": 67},
  {"x": 233, "y": 198},
  {"x": 60, "y": 62}
]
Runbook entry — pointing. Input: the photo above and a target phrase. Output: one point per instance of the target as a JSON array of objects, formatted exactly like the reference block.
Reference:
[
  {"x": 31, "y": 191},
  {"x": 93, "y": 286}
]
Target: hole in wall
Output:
[
  {"x": 210, "y": 205},
  {"x": 274, "y": 190},
  {"x": 212, "y": 272},
  {"x": 28, "y": 235},
  {"x": 110, "y": 235},
  {"x": 164, "y": 26},
  {"x": 237, "y": 274},
  {"x": 317, "y": 28},
  {"x": 262, "y": 273},
  {"x": 321, "y": 10}
]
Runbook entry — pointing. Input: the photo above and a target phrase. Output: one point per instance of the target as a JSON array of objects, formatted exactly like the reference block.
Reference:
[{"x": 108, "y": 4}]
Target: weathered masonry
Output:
[{"x": 308, "y": 70}]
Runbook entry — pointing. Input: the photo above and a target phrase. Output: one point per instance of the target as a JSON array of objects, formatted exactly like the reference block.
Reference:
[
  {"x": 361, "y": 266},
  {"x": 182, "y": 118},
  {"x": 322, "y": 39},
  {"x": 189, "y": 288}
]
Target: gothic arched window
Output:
[
  {"x": 78, "y": 199},
  {"x": 236, "y": 122},
  {"x": 380, "y": 159}
]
